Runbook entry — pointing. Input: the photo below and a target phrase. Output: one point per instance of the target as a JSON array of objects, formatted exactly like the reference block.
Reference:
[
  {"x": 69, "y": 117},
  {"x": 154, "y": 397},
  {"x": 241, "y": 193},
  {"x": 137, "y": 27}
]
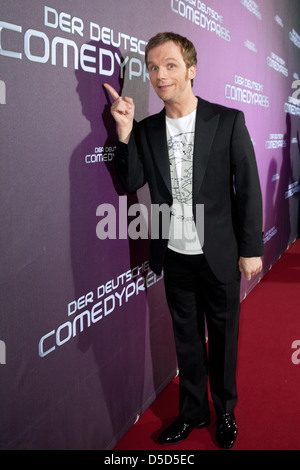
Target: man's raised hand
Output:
[{"x": 122, "y": 111}]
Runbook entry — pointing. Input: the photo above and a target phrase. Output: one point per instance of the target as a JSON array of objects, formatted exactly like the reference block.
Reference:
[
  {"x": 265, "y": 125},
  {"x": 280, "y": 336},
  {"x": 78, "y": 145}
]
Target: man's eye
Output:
[
  {"x": 171, "y": 66},
  {"x": 154, "y": 68}
]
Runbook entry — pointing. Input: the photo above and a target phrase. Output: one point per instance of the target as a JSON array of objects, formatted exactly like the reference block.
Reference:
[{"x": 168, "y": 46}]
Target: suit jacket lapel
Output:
[
  {"x": 158, "y": 133},
  {"x": 206, "y": 126},
  {"x": 205, "y": 130}
]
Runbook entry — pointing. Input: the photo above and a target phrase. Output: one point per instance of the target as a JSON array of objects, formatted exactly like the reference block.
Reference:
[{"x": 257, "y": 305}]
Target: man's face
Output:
[{"x": 168, "y": 73}]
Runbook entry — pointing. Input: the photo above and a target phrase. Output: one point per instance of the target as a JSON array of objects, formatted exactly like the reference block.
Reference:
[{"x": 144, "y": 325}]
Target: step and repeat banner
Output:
[{"x": 86, "y": 341}]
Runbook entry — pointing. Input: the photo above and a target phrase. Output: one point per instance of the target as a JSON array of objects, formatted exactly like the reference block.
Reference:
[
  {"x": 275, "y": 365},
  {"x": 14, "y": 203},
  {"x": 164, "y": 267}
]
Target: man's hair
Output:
[{"x": 188, "y": 50}]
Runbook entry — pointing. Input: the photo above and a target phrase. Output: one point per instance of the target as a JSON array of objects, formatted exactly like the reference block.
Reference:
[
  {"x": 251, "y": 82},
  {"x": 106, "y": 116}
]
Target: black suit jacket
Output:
[{"x": 225, "y": 180}]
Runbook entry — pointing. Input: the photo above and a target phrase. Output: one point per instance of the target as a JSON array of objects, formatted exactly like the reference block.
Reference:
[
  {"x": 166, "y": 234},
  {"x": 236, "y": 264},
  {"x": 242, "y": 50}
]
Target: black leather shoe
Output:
[
  {"x": 226, "y": 432},
  {"x": 181, "y": 428}
]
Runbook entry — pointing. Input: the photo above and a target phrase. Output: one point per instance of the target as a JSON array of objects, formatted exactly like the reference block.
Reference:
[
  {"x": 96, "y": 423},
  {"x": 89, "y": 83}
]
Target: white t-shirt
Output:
[{"x": 180, "y": 136}]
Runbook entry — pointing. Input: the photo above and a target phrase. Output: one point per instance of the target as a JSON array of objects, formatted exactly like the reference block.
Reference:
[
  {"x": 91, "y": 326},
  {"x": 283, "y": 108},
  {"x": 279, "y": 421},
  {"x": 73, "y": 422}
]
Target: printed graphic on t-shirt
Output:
[
  {"x": 183, "y": 235},
  {"x": 180, "y": 148}
]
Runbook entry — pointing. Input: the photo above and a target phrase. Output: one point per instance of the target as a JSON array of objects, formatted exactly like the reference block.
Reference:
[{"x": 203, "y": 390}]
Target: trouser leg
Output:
[
  {"x": 222, "y": 308},
  {"x": 189, "y": 333},
  {"x": 191, "y": 290}
]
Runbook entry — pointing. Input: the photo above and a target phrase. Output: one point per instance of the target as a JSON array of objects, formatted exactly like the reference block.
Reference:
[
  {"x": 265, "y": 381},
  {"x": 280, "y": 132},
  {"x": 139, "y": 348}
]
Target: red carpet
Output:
[{"x": 268, "y": 409}]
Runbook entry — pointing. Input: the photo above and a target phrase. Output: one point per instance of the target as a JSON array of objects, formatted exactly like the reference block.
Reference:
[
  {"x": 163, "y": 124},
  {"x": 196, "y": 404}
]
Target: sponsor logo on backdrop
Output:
[
  {"x": 296, "y": 354},
  {"x": 95, "y": 306},
  {"x": 277, "y": 64},
  {"x": 275, "y": 141},
  {"x": 248, "y": 91},
  {"x": 252, "y": 7},
  {"x": 295, "y": 38},
  {"x": 279, "y": 20},
  {"x": 250, "y": 45},
  {"x": 66, "y": 52},
  {"x": 292, "y": 106},
  {"x": 101, "y": 154},
  {"x": 270, "y": 234},
  {"x": 292, "y": 189},
  {"x": 2, "y": 352},
  {"x": 275, "y": 177},
  {"x": 201, "y": 15}
]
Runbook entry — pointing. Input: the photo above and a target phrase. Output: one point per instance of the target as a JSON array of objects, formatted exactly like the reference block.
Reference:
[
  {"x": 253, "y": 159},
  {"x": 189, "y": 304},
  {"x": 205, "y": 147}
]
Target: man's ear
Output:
[{"x": 192, "y": 72}]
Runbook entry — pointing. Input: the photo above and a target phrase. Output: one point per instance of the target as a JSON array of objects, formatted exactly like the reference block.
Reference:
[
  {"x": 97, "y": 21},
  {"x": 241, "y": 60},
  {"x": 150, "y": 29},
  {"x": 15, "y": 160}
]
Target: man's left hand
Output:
[{"x": 250, "y": 266}]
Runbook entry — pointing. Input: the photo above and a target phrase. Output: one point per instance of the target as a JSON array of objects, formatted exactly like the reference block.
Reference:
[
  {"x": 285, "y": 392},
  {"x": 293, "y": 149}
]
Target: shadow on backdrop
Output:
[
  {"x": 277, "y": 223},
  {"x": 118, "y": 340}
]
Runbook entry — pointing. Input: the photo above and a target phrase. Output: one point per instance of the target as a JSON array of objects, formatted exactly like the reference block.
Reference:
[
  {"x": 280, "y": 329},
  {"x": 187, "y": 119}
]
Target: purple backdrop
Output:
[{"x": 86, "y": 341}]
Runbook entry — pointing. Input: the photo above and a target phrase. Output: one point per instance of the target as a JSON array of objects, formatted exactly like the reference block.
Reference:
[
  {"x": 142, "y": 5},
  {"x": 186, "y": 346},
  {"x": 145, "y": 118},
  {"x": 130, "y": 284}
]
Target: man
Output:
[{"x": 194, "y": 153}]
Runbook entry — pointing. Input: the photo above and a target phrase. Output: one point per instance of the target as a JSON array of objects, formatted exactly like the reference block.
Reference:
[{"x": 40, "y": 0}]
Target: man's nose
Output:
[{"x": 161, "y": 73}]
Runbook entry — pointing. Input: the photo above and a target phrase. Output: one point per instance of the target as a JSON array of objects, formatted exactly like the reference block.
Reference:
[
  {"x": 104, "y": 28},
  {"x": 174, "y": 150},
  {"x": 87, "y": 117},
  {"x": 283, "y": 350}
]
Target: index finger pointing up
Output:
[{"x": 112, "y": 91}]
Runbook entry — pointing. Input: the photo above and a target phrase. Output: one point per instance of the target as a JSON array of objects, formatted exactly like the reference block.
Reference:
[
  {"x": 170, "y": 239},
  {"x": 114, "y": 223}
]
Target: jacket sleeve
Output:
[
  {"x": 129, "y": 165},
  {"x": 247, "y": 190}
]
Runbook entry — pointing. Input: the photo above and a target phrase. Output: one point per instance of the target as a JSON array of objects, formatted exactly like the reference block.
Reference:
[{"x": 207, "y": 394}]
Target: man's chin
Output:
[{"x": 165, "y": 94}]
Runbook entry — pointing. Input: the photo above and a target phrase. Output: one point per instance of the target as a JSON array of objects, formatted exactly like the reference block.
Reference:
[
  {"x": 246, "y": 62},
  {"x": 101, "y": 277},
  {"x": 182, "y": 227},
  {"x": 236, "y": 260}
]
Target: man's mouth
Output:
[{"x": 164, "y": 87}]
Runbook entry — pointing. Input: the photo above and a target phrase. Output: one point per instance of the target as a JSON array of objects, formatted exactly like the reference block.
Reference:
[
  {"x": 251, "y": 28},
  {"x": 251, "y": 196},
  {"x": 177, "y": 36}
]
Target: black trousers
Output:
[{"x": 193, "y": 295}]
